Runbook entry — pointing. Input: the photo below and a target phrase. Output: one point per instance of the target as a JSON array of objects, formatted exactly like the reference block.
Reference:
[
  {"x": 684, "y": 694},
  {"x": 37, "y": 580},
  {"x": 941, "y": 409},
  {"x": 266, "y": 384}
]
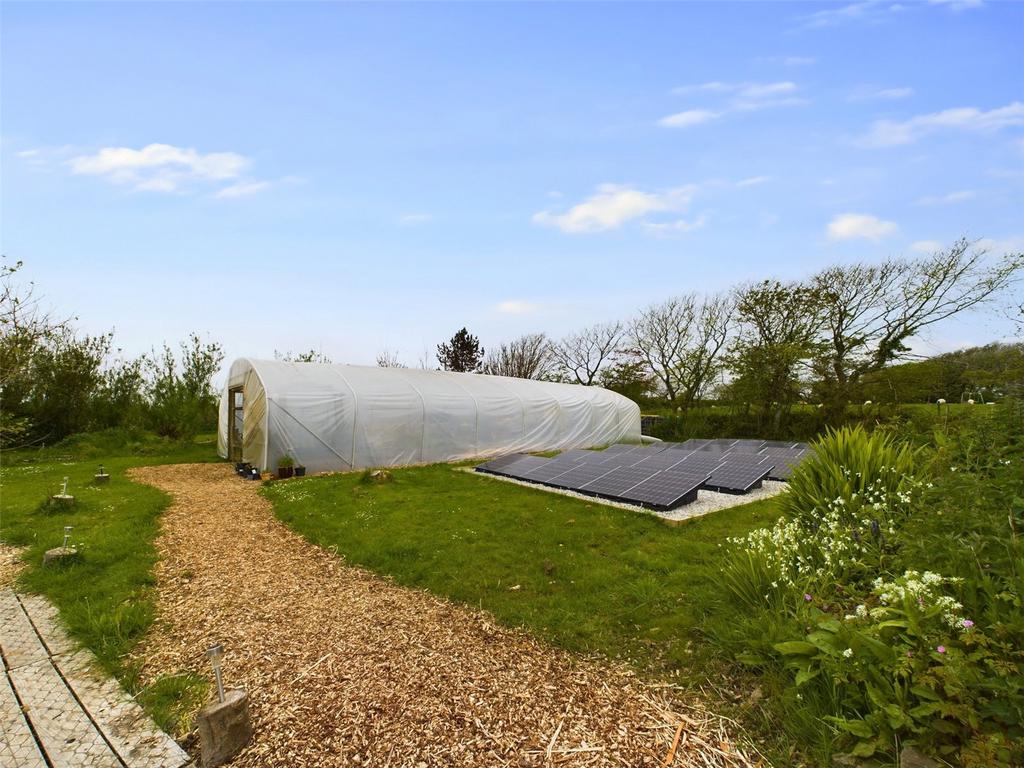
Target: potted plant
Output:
[
  {"x": 300, "y": 471},
  {"x": 285, "y": 467}
]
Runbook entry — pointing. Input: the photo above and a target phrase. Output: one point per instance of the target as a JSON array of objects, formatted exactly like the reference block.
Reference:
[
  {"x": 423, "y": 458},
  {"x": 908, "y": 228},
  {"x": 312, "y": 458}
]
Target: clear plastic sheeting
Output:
[{"x": 339, "y": 417}]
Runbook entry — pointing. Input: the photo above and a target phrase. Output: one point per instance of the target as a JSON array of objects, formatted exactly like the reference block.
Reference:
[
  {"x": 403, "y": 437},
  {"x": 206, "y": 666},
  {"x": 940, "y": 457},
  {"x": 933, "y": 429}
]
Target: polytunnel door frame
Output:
[{"x": 236, "y": 423}]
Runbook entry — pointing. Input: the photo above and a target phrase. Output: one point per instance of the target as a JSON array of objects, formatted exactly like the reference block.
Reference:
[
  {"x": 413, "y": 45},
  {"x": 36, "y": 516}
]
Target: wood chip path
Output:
[{"x": 345, "y": 668}]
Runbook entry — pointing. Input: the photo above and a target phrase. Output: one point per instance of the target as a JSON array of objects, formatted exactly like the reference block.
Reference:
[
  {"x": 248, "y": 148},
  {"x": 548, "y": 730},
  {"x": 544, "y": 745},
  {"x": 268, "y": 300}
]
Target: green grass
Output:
[
  {"x": 105, "y": 595},
  {"x": 585, "y": 576}
]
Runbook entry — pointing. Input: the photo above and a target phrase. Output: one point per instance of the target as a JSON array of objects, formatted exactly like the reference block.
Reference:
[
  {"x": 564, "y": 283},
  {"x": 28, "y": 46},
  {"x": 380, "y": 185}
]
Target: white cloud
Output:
[
  {"x": 743, "y": 97},
  {"x": 613, "y": 205},
  {"x": 798, "y": 61},
  {"x": 871, "y": 11},
  {"x": 679, "y": 225},
  {"x": 958, "y": 5},
  {"x": 28, "y": 153},
  {"x": 952, "y": 197},
  {"x": 243, "y": 189},
  {"x": 926, "y": 246},
  {"x": 688, "y": 118},
  {"x": 159, "y": 167},
  {"x": 753, "y": 181},
  {"x": 889, "y": 133},
  {"x": 851, "y": 226},
  {"x": 1011, "y": 244},
  {"x": 517, "y": 307},
  {"x": 872, "y": 93},
  {"x": 412, "y": 219}
]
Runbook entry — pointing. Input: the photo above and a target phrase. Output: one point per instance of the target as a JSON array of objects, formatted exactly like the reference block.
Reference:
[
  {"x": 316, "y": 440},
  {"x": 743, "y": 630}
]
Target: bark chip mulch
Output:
[{"x": 345, "y": 668}]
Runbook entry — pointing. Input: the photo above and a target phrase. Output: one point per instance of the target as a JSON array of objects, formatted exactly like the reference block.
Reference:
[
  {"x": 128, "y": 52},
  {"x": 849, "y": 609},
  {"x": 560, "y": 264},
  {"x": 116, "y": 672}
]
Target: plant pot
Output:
[
  {"x": 300, "y": 471},
  {"x": 285, "y": 472}
]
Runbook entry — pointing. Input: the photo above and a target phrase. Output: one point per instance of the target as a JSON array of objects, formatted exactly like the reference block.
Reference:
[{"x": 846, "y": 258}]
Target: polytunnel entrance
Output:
[{"x": 235, "y": 420}]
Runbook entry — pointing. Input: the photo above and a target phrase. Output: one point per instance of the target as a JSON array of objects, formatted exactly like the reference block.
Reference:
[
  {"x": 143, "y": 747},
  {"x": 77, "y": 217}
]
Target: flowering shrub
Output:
[
  {"x": 844, "y": 541},
  {"x": 908, "y": 668}
]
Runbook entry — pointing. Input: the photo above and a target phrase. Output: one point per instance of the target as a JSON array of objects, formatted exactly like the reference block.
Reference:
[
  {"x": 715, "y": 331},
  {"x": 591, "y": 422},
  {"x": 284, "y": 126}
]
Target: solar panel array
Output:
[{"x": 659, "y": 476}]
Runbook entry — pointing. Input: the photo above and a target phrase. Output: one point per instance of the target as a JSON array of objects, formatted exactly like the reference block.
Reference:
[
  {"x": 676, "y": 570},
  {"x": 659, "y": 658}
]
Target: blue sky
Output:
[{"x": 355, "y": 177}]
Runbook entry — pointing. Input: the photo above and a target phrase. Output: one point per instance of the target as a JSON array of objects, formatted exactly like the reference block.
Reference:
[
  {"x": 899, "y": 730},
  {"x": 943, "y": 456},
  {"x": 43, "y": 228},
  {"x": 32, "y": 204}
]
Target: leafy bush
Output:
[
  {"x": 843, "y": 593},
  {"x": 851, "y": 464}
]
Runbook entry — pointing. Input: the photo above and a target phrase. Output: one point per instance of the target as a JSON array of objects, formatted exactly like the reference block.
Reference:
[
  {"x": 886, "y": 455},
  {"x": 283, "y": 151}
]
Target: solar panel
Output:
[
  {"x": 574, "y": 479},
  {"x": 780, "y": 444},
  {"x": 701, "y": 461},
  {"x": 618, "y": 481},
  {"x": 618, "y": 448},
  {"x": 542, "y": 473},
  {"x": 775, "y": 451},
  {"x": 667, "y": 490},
  {"x": 662, "y": 460},
  {"x": 738, "y": 475},
  {"x": 576, "y": 454},
  {"x": 747, "y": 446},
  {"x": 784, "y": 465},
  {"x": 619, "y": 457},
  {"x": 518, "y": 468},
  {"x": 496, "y": 464}
]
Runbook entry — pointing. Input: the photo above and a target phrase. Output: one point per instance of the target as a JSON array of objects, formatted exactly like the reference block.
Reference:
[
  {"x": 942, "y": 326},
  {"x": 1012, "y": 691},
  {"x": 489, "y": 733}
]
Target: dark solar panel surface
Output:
[
  {"x": 738, "y": 475},
  {"x": 662, "y": 460},
  {"x": 542, "y": 473},
  {"x": 503, "y": 461},
  {"x": 518, "y": 468},
  {"x": 700, "y": 461},
  {"x": 666, "y": 489},
  {"x": 574, "y": 479},
  {"x": 618, "y": 481}
]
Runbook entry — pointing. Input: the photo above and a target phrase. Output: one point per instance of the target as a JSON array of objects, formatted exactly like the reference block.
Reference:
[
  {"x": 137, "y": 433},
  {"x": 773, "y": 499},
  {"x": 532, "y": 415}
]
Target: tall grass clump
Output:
[{"x": 850, "y": 464}]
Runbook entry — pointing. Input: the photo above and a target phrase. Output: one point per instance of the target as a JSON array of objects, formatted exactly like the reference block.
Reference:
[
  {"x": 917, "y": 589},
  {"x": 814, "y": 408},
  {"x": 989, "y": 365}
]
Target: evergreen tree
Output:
[{"x": 462, "y": 354}]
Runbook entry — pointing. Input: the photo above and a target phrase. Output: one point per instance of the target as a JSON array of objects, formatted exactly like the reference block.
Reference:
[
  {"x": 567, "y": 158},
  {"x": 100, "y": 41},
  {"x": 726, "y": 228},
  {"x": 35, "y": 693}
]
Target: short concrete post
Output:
[
  {"x": 224, "y": 728},
  {"x": 63, "y": 552},
  {"x": 63, "y": 499}
]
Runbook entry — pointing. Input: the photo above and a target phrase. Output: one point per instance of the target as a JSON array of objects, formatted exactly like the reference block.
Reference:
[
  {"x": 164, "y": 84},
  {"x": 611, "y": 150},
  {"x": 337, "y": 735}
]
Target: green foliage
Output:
[
  {"x": 286, "y": 462},
  {"x": 915, "y": 637},
  {"x": 845, "y": 464},
  {"x": 984, "y": 374},
  {"x": 462, "y": 353},
  {"x": 182, "y": 399},
  {"x": 629, "y": 378},
  {"x": 173, "y": 700}
]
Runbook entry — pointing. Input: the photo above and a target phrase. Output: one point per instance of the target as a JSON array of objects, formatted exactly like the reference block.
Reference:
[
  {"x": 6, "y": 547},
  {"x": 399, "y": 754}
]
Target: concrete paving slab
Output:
[{"x": 18, "y": 748}]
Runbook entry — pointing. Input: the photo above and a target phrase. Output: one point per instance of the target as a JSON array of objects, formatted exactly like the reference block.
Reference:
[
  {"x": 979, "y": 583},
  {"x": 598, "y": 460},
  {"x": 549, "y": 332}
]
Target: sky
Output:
[{"x": 359, "y": 177}]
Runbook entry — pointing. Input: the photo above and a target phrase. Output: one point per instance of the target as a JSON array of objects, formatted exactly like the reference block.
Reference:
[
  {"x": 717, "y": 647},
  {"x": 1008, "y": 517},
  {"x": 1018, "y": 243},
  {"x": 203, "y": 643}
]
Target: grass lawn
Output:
[
  {"x": 585, "y": 576},
  {"x": 105, "y": 596}
]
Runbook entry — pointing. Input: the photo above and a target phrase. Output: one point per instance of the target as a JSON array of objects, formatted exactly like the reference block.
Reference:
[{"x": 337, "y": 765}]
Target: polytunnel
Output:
[{"x": 331, "y": 417}]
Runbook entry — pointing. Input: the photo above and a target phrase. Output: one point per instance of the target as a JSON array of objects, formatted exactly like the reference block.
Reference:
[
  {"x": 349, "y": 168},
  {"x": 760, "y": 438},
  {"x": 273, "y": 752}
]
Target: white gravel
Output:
[{"x": 707, "y": 501}]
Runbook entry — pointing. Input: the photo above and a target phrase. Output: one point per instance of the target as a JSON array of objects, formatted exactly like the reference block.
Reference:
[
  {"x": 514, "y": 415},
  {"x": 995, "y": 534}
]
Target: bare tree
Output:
[
  {"x": 869, "y": 312},
  {"x": 312, "y": 356},
  {"x": 582, "y": 355},
  {"x": 680, "y": 341},
  {"x": 24, "y": 324},
  {"x": 389, "y": 359},
  {"x": 528, "y": 357}
]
